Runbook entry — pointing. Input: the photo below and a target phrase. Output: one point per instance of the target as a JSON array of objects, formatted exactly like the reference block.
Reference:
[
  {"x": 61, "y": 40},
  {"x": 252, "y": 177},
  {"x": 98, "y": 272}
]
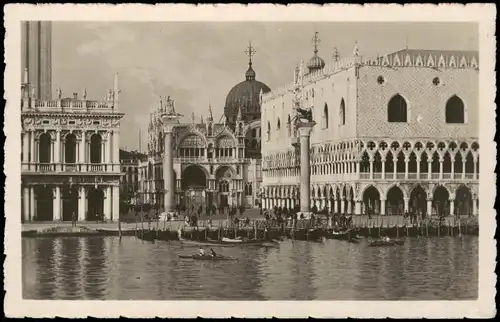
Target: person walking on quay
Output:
[{"x": 73, "y": 219}]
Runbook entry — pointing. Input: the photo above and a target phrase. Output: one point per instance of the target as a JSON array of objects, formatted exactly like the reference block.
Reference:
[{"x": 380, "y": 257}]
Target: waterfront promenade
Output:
[{"x": 217, "y": 221}]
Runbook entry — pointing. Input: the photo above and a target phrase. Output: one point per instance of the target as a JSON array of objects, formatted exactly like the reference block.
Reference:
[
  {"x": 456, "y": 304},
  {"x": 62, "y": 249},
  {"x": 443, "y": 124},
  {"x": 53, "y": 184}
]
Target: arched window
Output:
[
  {"x": 455, "y": 110},
  {"x": 325, "y": 116},
  {"x": 342, "y": 112},
  {"x": 397, "y": 109},
  {"x": 278, "y": 125},
  {"x": 268, "y": 131}
]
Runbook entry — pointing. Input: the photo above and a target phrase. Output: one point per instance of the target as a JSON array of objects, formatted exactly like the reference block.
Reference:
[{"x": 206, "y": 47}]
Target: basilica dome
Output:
[{"x": 245, "y": 95}]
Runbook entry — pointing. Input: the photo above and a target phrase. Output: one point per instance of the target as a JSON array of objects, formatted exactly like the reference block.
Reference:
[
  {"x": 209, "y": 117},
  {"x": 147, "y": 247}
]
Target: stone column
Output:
[
  {"x": 406, "y": 204},
  {"x": 335, "y": 206},
  {"x": 463, "y": 169},
  {"x": 475, "y": 207},
  {"x": 57, "y": 204},
  {"x": 83, "y": 149},
  {"x": 107, "y": 151},
  {"x": 116, "y": 150},
  {"x": 441, "y": 168},
  {"x": 32, "y": 203},
  {"x": 103, "y": 152},
  {"x": 82, "y": 207},
  {"x": 475, "y": 168},
  {"x": 357, "y": 209},
  {"x": 26, "y": 145},
  {"x": 349, "y": 206},
  {"x": 429, "y": 169},
  {"x": 382, "y": 207},
  {"x": 429, "y": 207},
  {"x": 57, "y": 148},
  {"x": 107, "y": 203},
  {"x": 26, "y": 201},
  {"x": 116, "y": 203},
  {"x": 453, "y": 167},
  {"x": 383, "y": 168},
  {"x": 342, "y": 205},
  {"x": 407, "y": 160},
  {"x": 371, "y": 168},
  {"x": 395, "y": 167},
  {"x": 32, "y": 158},
  {"x": 452, "y": 206},
  {"x": 168, "y": 169},
  {"x": 418, "y": 167},
  {"x": 304, "y": 130}
]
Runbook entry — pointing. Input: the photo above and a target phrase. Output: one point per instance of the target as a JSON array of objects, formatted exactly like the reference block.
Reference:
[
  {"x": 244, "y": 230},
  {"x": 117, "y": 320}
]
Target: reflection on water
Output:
[{"x": 130, "y": 269}]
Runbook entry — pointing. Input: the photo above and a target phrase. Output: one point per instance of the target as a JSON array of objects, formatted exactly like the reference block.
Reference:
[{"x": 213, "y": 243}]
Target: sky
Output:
[{"x": 199, "y": 62}]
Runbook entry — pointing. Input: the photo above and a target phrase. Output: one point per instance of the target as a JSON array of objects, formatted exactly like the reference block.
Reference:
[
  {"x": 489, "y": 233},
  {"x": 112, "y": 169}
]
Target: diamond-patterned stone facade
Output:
[{"x": 426, "y": 101}]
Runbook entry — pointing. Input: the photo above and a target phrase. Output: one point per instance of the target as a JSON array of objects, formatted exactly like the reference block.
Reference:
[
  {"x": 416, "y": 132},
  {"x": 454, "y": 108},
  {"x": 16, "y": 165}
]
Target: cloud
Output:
[
  {"x": 109, "y": 36},
  {"x": 196, "y": 63}
]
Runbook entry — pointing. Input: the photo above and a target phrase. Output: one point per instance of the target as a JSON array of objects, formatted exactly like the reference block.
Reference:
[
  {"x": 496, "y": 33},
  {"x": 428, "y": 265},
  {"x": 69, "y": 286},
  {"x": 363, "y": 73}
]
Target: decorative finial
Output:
[
  {"x": 201, "y": 119},
  {"x": 239, "y": 116},
  {"x": 250, "y": 51},
  {"x": 316, "y": 41},
  {"x": 193, "y": 117},
  {"x": 336, "y": 54},
  {"x": 160, "y": 104},
  {"x": 250, "y": 74},
  {"x": 355, "y": 51},
  {"x": 84, "y": 96},
  {"x": 210, "y": 115}
]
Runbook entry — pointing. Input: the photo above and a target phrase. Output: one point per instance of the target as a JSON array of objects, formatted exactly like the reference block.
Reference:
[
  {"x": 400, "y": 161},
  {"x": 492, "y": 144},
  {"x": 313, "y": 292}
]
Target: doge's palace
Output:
[
  {"x": 70, "y": 156},
  {"x": 394, "y": 134}
]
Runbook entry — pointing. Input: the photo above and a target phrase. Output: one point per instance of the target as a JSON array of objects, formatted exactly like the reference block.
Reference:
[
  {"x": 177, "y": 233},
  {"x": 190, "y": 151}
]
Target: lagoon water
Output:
[{"x": 107, "y": 268}]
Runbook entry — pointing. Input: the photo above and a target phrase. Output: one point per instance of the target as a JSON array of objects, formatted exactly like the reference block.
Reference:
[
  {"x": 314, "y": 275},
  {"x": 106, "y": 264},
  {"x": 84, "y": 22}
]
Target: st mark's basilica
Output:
[{"x": 216, "y": 162}]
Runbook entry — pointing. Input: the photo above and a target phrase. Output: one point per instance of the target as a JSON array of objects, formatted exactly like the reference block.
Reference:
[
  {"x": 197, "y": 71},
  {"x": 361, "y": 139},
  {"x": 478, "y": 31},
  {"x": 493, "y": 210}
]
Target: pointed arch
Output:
[
  {"x": 278, "y": 124},
  {"x": 325, "y": 116},
  {"x": 342, "y": 112},
  {"x": 397, "y": 109},
  {"x": 418, "y": 200},
  {"x": 268, "y": 130},
  {"x": 441, "y": 62},
  {"x": 395, "y": 200},
  {"x": 455, "y": 110}
]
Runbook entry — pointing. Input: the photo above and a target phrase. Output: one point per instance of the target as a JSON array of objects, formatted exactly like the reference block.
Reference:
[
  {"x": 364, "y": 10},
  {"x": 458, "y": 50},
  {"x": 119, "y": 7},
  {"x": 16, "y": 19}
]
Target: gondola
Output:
[
  {"x": 383, "y": 242},
  {"x": 217, "y": 243},
  {"x": 206, "y": 257}
]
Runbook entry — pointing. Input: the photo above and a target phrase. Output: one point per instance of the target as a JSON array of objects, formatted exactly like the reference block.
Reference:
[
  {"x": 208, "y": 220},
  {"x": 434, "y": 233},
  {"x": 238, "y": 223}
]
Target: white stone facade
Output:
[
  {"x": 70, "y": 157},
  {"x": 395, "y": 134}
]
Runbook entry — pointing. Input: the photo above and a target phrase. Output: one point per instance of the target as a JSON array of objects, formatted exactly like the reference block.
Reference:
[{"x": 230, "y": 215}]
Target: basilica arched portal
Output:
[
  {"x": 225, "y": 196},
  {"x": 194, "y": 185}
]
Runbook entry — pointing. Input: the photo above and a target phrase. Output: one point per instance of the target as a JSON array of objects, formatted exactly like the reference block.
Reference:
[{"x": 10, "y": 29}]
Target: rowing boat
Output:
[
  {"x": 217, "y": 243},
  {"x": 381, "y": 242},
  {"x": 206, "y": 257}
]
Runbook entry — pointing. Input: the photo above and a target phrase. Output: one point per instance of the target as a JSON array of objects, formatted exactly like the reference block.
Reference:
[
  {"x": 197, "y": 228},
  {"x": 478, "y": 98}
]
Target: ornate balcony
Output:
[{"x": 70, "y": 168}]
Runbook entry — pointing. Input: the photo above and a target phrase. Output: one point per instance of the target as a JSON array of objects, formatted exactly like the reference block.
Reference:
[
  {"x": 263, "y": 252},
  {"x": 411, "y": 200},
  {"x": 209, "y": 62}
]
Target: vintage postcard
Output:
[{"x": 250, "y": 161}]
